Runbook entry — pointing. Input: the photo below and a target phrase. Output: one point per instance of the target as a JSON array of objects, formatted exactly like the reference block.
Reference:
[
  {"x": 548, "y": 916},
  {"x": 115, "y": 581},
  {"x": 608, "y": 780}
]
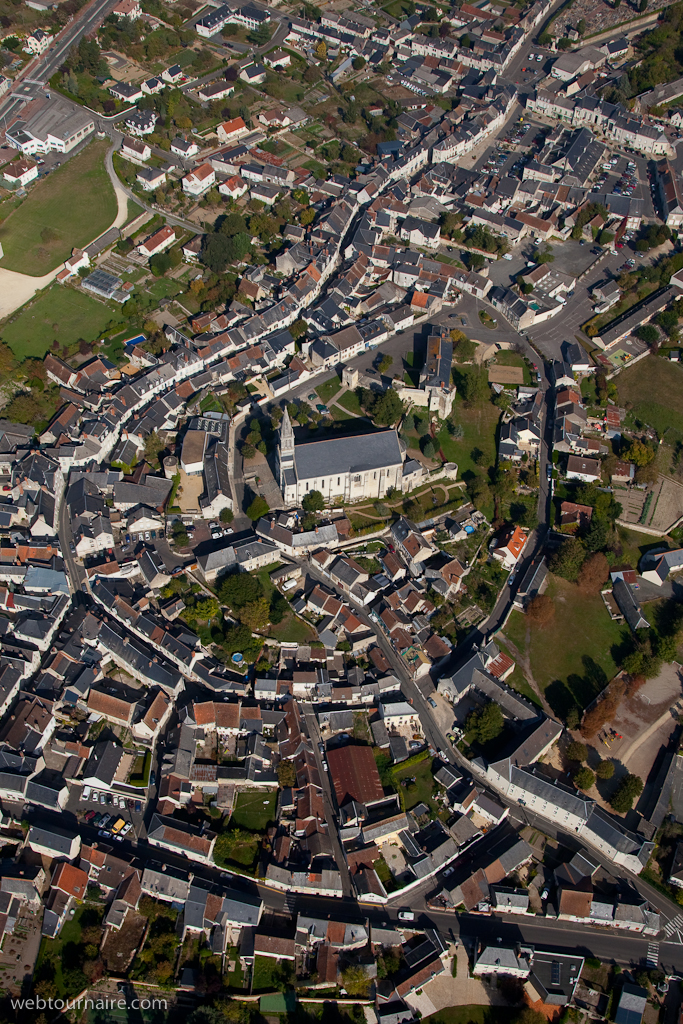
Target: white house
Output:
[
  {"x": 153, "y": 86},
  {"x": 53, "y": 842},
  {"x": 151, "y": 178},
  {"x": 173, "y": 75},
  {"x": 184, "y": 147},
  {"x": 234, "y": 187},
  {"x": 130, "y": 9},
  {"x": 21, "y": 172},
  {"x": 656, "y": 566},
  {"x": 135, "y": 149},
  {"x": 157, "y": 242},
  {"x": 587, "y": 470},
  {"x": 37, "y": 42},
  {"x": 508, "y": 548},
  {"x": 231, "y": 130},
  {"x": 399, "y": 713},
  {"x": 200, "y": 180}
]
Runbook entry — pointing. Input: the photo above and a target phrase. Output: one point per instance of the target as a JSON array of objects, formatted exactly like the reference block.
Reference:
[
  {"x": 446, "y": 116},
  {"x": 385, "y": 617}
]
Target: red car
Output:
[{"x": 89, "y": 815}]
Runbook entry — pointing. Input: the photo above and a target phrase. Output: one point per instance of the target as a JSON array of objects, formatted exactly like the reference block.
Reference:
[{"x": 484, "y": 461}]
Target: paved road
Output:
[{"x": 38, "y": 74}]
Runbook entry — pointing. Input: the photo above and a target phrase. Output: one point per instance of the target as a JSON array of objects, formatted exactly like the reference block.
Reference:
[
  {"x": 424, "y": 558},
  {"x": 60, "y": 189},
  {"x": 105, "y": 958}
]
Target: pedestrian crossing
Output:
[
  {"x": 290, "y": 902},
  {"x": 652, "y": 958},
  {"x": 675, "y": 925}
]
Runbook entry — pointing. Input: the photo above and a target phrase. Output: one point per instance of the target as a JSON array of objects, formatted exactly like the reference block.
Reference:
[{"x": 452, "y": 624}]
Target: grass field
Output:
[
  {"x": 350, "y": 402},
  {"x": 328, "y": 389},
  {"x": 61, "y": 314},
  {"x": 572, "y": 658},
  {"x": 480, "y": 424},
  {"x": 419, "y": 791},
  {"x": 254, "y": 811},
  {"x": 71, "y": 207},
  {"x": 266, "y": 972},
  {"x": 655, "y": 389}
]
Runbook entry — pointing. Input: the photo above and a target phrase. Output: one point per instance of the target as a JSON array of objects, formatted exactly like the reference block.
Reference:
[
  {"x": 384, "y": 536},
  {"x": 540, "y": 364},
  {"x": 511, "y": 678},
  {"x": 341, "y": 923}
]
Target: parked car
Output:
[
  {"x": 152, "y": 778},
  {"x": 138, "y": 806},
  {"x": 406, "y": 915}
]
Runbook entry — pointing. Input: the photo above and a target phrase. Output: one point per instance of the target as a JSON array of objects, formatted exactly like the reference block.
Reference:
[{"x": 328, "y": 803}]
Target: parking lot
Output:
[{"x": 102, "y": 810}]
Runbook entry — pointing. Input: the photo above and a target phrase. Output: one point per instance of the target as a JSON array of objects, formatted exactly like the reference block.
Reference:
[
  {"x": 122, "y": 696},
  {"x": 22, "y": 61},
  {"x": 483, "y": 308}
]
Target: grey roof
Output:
[
  {"x": 613, "y": 833},
  {"x": 632, "y": 1003},
  {"x": 53, "y": 838},
  {"x": 347, "y": 454},
  {"x": 629, "y": 605},
  {"x": 553, "y": 794}
]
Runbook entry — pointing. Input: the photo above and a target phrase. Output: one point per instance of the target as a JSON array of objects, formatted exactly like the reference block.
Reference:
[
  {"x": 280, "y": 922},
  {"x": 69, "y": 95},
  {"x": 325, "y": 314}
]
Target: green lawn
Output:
[
  {"x": 328, "y": 389},
  {"x": 266, "y": 970},
  {"x": 59, "y": 959},
  {"x": 254, "y": 811},
  {"x": 350, "y": 402},
  {"x": 419, "y": 791},
  {"x": 70, "y": 208},
  {"x": 571, "y": 659},
  {"x": 655, "y": 389},
  {"x": 61, "y": 314},
  {"x": 292, "y": 629},
  {"x": 480, "y": 424},
  {"x": 316, "y": 168}
]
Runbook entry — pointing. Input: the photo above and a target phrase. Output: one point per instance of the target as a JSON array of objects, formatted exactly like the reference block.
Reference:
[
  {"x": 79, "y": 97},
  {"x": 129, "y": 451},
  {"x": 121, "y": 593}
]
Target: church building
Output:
[{"x": 344, "y": 468}]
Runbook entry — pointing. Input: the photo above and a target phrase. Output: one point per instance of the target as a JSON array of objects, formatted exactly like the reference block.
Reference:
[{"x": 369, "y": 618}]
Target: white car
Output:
[{"x": 406, "y": 915}]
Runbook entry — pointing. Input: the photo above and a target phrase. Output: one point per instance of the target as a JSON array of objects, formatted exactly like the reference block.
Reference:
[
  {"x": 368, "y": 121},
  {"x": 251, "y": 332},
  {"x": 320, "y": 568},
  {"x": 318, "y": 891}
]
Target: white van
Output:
[
  {"x": 406, "y": 915},
  {"x": 85, "y": 795}
]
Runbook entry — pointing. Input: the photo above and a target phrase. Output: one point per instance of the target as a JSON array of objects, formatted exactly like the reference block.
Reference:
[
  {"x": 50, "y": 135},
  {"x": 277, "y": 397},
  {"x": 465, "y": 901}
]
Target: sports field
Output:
[
  {"x": 58, "y": 314},
  {"x": 67, "y": 210}
]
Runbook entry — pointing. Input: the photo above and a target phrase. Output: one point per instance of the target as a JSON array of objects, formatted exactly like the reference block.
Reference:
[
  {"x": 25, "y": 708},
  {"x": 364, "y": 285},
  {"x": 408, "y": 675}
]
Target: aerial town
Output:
[{"x": 341, "y": 512}]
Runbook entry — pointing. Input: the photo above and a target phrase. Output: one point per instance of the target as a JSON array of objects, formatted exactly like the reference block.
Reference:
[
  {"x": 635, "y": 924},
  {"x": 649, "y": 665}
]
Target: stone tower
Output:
[{"x": 286, "y": 453}]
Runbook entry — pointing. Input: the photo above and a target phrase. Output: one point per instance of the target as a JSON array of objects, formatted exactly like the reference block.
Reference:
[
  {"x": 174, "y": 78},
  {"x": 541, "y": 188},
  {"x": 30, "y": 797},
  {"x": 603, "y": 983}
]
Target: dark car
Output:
[
  {"x": 138, "y": 806},
  {"x": 549, "y": 470},
  {"x": 152, "y": 778}
]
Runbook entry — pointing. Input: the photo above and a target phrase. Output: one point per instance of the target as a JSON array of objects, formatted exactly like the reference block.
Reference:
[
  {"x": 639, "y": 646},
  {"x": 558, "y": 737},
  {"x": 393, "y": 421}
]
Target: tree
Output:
[
  {"x": 321, "y": 50},
  {"x": 639, "y": 453},
  {"x": 577, "y": 751},
  {"x": 226, "y": 515},
  {"x": 541, "y": 610},
  {"x": 544, "y": 254},
  {"x": 486, "y": 724},
  {"x": 581, "y": 27},
  {"x": 248, "y": 451},
  {"x": 428, "y": 448},
  {"x": 153, "y": 447},
  {"x": 258, "y": 508},
  {"x": 239, "y": 589},
  {"x": 584, "y": 779},
  {"x": 355, "y": 981},
  {"x": 298, "y": 329},
  {"x": 630, "y": 787},
  {"x": 386, "y": 409},
  {"x": 256, "y": 614},
  {"x": 472, "y": 384},
  {"x": 358, "y": 63},
  {"x": 385, "y": 363},
  {"x": 593, "y": 573},
  {"x": 286, "y": 773},
  {"x": 313, "y": 502},
  {"x": 261, "y": 35},
  {"x": 605, "y": 770},
  {"x": 569, "y": 558}
]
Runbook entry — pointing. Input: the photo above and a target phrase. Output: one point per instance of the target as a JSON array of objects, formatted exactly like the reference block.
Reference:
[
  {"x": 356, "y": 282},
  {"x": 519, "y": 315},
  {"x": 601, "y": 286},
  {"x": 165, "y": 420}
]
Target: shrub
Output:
[
  {"x": 577, "y": 751},
  {"x": 629, "y": 788},
  {"x": 584, "y": 779}
]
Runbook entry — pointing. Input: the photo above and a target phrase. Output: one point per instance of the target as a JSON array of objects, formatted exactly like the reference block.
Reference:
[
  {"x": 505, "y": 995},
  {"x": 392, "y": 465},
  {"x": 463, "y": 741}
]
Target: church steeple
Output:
[
  {"x": 286, "y": 436},
  {"x": 286, "y": 449}
]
